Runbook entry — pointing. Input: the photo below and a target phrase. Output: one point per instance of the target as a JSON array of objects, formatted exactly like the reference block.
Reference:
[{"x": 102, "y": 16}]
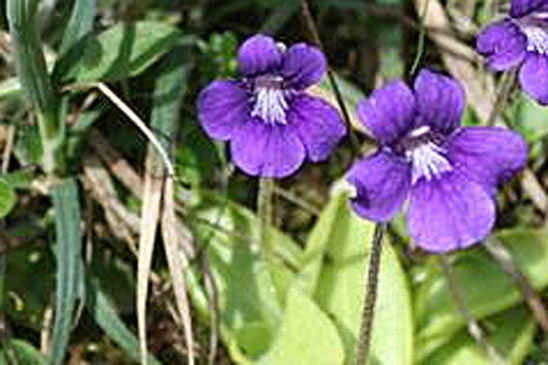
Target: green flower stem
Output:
[
  {"x": 34, "y": 77},
  {"x": 264, "y": 207}
]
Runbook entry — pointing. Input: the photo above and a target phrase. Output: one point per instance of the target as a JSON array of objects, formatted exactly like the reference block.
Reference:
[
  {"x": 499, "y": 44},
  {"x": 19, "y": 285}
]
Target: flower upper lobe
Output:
[
  {"x": 273, "y": 125},
  {"x": 448, "y": 173}
]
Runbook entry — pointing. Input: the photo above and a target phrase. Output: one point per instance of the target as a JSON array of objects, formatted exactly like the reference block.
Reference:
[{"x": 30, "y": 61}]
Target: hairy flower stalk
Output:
[
  {"x": 272, "y": 124},
  {"x": 449, "y": 174},
  {"x": 520, "y": 41},
  {"x": 33, "y": 75}
]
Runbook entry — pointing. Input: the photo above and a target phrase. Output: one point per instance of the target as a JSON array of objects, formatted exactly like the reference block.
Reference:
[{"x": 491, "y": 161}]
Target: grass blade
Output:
[
  {"x": 106, "y": 317},
  {"x": 80, "y": 23},
  {"x": 69, "y": 268}
]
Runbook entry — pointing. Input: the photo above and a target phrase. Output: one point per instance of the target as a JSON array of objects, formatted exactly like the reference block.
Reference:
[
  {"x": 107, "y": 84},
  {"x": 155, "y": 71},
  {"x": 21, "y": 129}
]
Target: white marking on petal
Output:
[
  {"x": 421, "y": 131},
  {"x": 537, "y": 39},
  {"x": 427, "y": 161},
  {"x": 270, "y": 105}
]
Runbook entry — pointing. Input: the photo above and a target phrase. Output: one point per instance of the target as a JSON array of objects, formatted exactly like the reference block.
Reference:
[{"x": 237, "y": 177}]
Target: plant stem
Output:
[
  {"x": 366, "y": 328},
  {"x": 472, "y": 325},
  {"x": 311, "y": 25},
  {"x": 34, "y": 77},
  {"x": 264, "y": 207},
  {"x": 504, "y": 257}
]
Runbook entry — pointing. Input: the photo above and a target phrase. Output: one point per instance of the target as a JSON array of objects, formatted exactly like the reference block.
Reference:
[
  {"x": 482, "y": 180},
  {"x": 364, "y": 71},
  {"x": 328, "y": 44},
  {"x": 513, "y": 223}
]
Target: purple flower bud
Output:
[
  {"x": 272, "y": 124},
  {"x": 448, "y": 173},
  {"x": 520, "y": 40}
]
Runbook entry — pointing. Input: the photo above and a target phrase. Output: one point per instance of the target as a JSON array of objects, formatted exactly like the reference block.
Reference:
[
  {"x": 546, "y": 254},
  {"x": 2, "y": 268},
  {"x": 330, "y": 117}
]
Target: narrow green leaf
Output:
[
  {"x": 34, "y": 77},
  {"x": 69, "y": 268},
  {"x": 80, "y": 23},
  {"x": 106, "y": 317},
  {"x": 30, "y": 60},
  {"x": 437, "y": 316},
  {"x": 170, "y": 87},
  {"x": 123, "y": 51},
  {"x": 7, "y": 198},
  {"x": 341, "y": 286},
  {"x": 306, "y": 336}
]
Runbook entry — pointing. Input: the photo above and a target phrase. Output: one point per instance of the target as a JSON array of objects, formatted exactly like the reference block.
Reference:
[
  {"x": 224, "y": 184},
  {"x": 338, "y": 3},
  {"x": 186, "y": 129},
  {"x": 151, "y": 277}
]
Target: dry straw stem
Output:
[
  {"x": 124, "y": 108},
  {"x": 150, "y": 215},
  {"x": 177, "y": 262}
]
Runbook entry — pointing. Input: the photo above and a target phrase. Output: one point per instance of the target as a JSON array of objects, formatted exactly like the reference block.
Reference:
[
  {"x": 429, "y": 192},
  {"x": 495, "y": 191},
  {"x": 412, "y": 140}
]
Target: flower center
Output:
[
  {"x": 270, "y": 99},
  {"x": 537, "y": 39},
  {"x": 427, "y": 161},
  {"x": 426, "y": 156},
  {"x": 535, "y": 29}
]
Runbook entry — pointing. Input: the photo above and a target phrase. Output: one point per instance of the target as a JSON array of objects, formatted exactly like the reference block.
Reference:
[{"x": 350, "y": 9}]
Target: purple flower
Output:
[
  {"x": 448, "y": 173},
  {"x": 521, "y": 40},
  {"x": 271, "y": 122}
]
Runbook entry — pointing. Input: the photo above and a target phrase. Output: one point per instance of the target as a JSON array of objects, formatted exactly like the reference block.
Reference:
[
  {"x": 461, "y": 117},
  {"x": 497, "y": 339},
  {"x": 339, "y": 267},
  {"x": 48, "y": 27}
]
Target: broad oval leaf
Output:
[
  {"x": 340, "y": 289},
  {"x": 251, "y": 290},
  {"x": 306, "y": 336}
]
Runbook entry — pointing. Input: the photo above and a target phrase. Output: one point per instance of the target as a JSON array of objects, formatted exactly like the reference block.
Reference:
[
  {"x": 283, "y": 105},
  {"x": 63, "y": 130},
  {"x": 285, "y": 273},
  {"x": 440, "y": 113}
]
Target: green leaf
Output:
[
  {"x": 80, "y": 23},
  {"x": 123, "y": 51},
  {"x": 322, "y": 234},
  {"x": 251, "y": 291},
  {"x": 106, "y": 317},
  {"x": 511, "y": 333},
  {"x": 69, "y": 267},
  {"x": 340, "y": 290},
  {"x": 22, "y": 352},
  {"x": 7, "y": 198},
  {"x": 437, "y": 316},
  {"x": 529, "y": 118},
  {"x": 306, "y": 336}
]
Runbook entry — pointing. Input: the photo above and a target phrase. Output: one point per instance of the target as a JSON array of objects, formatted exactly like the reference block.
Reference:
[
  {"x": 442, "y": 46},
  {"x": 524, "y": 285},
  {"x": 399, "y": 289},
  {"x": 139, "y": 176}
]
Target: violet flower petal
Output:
[
  {"x": 222, "y": 105},
  {"x": 259, "y": 54},
  {"x": 440, "y": 101},
  {"x": 382, "y": 183},
  {"x": 533, "y": 77},
  {"x": 303, "y": 65},
  {"x": 519, "y": 8},
  {"x": 267, "y": 150},
  {"x": 504, "y": 45},
  {"x": 449, "y": 212},
  {"x": 489, "y": 155},
  {"x": 318, "y": 125},
  {"x": 389, "y": 112}
]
